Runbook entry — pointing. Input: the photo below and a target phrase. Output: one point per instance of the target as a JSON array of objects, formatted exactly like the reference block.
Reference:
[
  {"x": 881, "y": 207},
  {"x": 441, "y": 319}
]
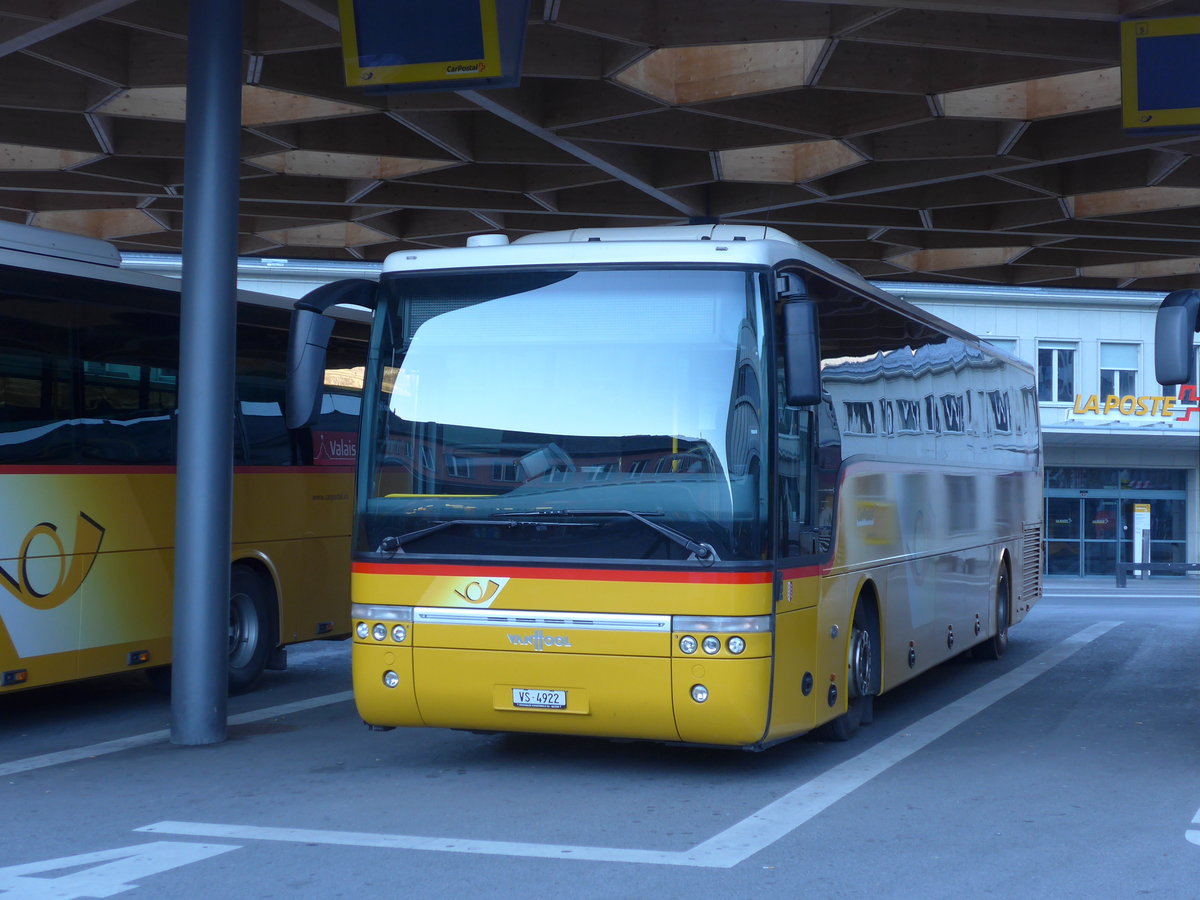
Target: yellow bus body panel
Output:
[
  {"x": 618, "y": 683},
  {"x": 607, "y": 695},
  {"x": 793, "y": 711},
  {"x": 292, "y": 524},
  {"x": 739, "y": 695}
]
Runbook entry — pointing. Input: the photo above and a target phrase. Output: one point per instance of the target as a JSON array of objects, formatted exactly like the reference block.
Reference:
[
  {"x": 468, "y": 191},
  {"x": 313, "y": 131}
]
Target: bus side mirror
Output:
[
  {"x": 1177, "y": 320},
  {"x": 802, "y": 354},
  {"x": 308, "y": 342}
]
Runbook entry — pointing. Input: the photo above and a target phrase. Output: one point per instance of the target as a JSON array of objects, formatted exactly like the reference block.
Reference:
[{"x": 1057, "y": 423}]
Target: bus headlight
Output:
[
  {"x": 379, "y": 632},
  {"x": 390, "y": 678},
  {"x": 699, "y": 693},
  {"x": 399, "y": 633},
  {"x": 711, "y": 645},
  {"x": 362, "y": 629},
  {"x": 736, "y": 644},
  {"x": 687, "y": 644}
]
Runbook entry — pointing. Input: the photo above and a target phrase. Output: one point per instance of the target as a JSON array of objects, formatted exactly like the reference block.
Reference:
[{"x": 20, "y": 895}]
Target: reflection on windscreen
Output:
[{"x": 602, "y": 390}]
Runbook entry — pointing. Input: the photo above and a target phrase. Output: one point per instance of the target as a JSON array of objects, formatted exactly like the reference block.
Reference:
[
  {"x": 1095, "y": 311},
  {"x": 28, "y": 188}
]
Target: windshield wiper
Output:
[
  {"x": 702, "y": 552},
  {"x": 395, "y": 543}
]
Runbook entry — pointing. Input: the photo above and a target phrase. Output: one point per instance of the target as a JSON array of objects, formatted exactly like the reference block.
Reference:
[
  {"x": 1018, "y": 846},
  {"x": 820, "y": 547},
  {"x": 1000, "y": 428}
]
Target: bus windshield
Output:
[{"x": 592, "y": 413}]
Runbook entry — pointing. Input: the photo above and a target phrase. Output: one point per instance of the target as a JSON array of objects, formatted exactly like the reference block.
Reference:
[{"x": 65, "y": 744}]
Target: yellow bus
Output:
[
  {"x": 689, "y": 484},
  {"x": 88, "y": 379}
]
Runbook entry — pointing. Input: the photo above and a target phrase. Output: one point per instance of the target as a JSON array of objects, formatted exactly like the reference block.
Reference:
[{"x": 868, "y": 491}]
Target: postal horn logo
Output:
[
  {"x": 481, "y": 591},
  {"x": 73, "y": 567}
]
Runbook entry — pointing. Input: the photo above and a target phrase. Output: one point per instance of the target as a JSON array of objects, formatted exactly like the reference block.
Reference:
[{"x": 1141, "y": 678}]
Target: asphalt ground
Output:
[{"x": 1070, "y": 768}]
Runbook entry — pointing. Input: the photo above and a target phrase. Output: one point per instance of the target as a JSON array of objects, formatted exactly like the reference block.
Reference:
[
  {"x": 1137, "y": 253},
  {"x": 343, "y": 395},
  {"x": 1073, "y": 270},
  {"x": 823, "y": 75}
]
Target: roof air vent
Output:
[{"x": 487, "y": 240}]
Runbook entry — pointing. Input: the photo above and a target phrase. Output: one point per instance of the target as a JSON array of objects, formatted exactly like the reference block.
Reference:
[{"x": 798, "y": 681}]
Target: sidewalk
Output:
[{"x": 1167, "y": 586}]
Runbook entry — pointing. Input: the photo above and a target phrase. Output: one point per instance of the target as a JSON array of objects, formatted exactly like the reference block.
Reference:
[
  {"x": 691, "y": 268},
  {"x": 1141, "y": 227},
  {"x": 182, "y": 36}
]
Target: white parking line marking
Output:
[
  {"x": 736, "y": 843},
  {"x": 414, "y": 842},
  {"x": 153, "y": 737},
  {"x": 792, "y": 810},
  {"x": 108, "y": 872}
]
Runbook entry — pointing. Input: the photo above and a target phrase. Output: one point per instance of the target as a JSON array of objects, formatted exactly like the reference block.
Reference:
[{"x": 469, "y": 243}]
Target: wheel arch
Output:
[
  {"x": 1004, "y": 567},
  {"x": 260, "y": 565},
  {"x": 867, "y": 595}
]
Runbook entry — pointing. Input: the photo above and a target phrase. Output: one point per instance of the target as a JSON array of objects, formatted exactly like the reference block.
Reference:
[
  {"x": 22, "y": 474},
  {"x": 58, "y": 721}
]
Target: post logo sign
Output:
[
  {"x": 480, "y": 592},
  {"x": 1178, "y": 409},
  {"x": 73, "y": 568}
]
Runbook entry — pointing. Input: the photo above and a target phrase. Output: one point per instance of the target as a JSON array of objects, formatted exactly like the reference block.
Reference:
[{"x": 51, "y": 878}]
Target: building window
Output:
[
  {"x": 933, "y": 422},
  {"x": 860, "y": 418},
  {"x": 909, "y": 416},
  {"x": 458, "y": 466},
  {"x": 952, "y": 411},
  {"x": 1008, "y": 345},
  {"x": 1056, "y": 371},
  {"x": 1118, "y": 369},
  {"x": 1001, "y": 413},
  {"x": 887, "y": 417}
]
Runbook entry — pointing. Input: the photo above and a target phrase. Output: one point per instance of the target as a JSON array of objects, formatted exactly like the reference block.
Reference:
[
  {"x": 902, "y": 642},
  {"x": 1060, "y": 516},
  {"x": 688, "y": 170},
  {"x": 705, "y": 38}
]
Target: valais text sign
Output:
[{"x": 334, "y": 448}]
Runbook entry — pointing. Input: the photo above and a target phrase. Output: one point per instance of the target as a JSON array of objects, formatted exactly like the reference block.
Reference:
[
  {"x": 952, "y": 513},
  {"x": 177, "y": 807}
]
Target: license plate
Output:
[{"x": 529, "y": 698}]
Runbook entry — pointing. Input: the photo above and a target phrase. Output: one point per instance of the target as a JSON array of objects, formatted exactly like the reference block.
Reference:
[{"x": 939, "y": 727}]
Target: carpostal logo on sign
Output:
[
  {"x": 539, "y": 640},
  {"x": 465, "y": 68},
  {"x": 1179, "y": 409}
]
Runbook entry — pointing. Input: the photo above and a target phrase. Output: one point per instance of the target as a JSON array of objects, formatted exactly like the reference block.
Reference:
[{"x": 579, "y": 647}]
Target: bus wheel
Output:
[
  {"x": 861, "y": 678},
  {"x": 994, "y": 647},
  {"x": 250, "y": 632}
]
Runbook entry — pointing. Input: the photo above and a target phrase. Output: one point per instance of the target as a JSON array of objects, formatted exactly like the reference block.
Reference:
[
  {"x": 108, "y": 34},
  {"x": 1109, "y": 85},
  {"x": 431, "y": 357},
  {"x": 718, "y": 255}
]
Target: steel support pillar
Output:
[{"x": 204, "y": 486}]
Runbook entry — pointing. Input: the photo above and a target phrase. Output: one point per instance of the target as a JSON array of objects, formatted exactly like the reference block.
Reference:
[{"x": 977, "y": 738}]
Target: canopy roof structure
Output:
[{"x": 962, "y": 141}]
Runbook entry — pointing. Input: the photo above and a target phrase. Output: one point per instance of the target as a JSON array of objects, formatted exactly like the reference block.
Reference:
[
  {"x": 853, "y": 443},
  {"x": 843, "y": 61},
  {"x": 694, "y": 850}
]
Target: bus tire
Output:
[
  {"x": 994, "y": 647},
  {"x": 862, "y": 676},
  {"x": 251, "y": 628}
]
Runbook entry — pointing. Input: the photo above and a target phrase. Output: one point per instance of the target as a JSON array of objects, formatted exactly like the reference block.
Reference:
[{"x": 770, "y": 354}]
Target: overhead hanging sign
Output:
[
  {"x": 1160, "y": 74},
  {"x": 404, "y": 45}
]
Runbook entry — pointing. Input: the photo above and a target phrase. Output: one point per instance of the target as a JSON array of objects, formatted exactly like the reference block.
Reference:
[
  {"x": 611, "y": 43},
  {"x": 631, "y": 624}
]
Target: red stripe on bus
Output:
[
  {"x": 564, "y": 574},
  {"x": 280, "y": 470}
]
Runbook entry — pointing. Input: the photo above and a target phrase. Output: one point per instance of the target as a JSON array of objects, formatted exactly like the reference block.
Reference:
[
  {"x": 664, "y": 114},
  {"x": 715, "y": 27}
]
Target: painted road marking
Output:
[
  {"x": 1193, "y": 834},
  {"x": 153, "y": 737},
  {"x": 736, "y": 843},
  {"x": 107, "y": 872}
]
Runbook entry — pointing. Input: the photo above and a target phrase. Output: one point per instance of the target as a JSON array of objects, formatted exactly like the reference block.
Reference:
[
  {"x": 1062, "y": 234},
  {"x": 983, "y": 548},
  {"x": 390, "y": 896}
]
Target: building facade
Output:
[{"x": 1122, "y": 453}]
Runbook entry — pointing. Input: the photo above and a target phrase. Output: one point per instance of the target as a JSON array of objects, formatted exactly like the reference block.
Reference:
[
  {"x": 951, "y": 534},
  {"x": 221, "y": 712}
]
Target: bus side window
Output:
[
  {"x": 826, "y": 471},
  {"x": 126, "y": 365},
  {"x": 261, "y": 438},
  {"x": 794, "y": 467},
  {"x": 35, "y": 399}
]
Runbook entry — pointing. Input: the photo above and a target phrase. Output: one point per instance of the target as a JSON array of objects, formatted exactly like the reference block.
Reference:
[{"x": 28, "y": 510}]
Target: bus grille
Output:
[{"x": 1031, "y": 561}]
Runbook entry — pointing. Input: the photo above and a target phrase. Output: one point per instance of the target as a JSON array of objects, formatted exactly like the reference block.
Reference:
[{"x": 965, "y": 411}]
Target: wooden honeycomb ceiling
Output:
[{"x": 930, "y": 140}]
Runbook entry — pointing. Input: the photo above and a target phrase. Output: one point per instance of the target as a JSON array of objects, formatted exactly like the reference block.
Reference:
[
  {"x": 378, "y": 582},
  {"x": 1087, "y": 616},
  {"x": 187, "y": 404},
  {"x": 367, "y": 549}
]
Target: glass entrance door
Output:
[
  {"x": 1089, "y": 517},
  {"x": 1168, "y": 537},
  {"x": 1064, "y": 535},
  {"x": 1101, "y": 521}
]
